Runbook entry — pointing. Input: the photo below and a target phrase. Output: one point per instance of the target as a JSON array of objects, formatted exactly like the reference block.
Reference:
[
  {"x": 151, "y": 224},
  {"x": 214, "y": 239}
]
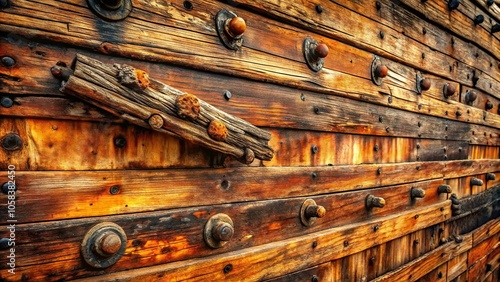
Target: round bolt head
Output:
[
  {"x": 8, "y": 61},
  {"x": 425, "y": 84},
  {"x": 381, "y": 71},
  {"x": 4, "y": 244},
  {"x": 453, "y": 4},
  {"x": 449, "y": 90},
  {"x": 109, "y": 244},
  {"x": 236, "y": 27},
  {"x": 223, "y": 232},
  {"x": 489, "y": 105},
  {"x": 6, "y": 102},
  {"x": 478, "y": 19},
  {"x": 5, "y": 188},
  {"x": 321, "y": 50}
]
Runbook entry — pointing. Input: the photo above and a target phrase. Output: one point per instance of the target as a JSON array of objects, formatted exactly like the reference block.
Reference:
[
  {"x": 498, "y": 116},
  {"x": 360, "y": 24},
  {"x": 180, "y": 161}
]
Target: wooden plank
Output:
[
  {"x": 457, "y": 266},
  {"x": 437, "y": 274},
  {"x": 482, "y": 268},
  {"x": 300, "y": 255},
  {"x": 168, "y": 189},
  {"x": 481, "y": 100},
  {"x": 437, "y": 150},
  {"x": 323, "y": 272},
  {"x": 485, "y": 231},
  {"x": 484, "y": 248},
  {"x": 426, "y": 263},
  {"x": 483, "y": 152},
  {"x": 325, "y": 83}
]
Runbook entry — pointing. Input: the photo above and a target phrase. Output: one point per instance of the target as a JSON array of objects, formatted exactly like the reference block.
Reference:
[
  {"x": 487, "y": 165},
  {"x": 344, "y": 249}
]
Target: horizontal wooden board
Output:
[
  {"x": 298, "y": 251},
  {"x": 323, "y": 273}
]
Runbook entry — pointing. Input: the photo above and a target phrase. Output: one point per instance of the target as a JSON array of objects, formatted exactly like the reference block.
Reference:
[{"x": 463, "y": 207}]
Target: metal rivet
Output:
[
  {"x": 375, "y": 148},
  {"x": 376, "y": 227},
  {"x": 104, "y": 244},
  {"x": 419, "y": 124},
  {"x": 218, "y": 230},
  {"x": 381, "y": 35},
  {"x": 417, "y": 193},
  {"x": 458, "y": 113},
  {"x": 372, "y": 260},
  {"x": 489, "y": 105},
  {"x": 227, "y": 95},
  {"x": 346, "y": 243},
  {"x": 416, "y": 216},
  {"x": 380, "y": 119},
  {"x": 319, "y": 9},
  {"x": 425, "y": 84},
  {"x": 381, "y": 71},
  {"x": 378, "y": 5},
  {"x": 5, "y": 187},
  {"x": 314, "y": 53},
  {"x": 474, "y": 181},
  {"x": 479, "y": 19},
  {"x": 5, "y": 243},
  {"x": 453, "y": 4},
  {"x": 314, "y": 244},
  {"x": 424, "y": 30},
  {"x": 495, "y": 28},
  {"x": 120, "y": 142},
  {"x": 416, "y": 242},
  {"x": 235, "y": 27},
  {"x": 388, "y": 129},
  {"x": 490, "y": 2},
  {"x": 228, "y": 268},
  {"x": 379, "y": 170},
  {"x": 188, "y": 5},
  {"x": 8, "y": 61},
  {"x": 444, "y": 189},
  {"x": 314, "y": 149},
  {"x": 302, "y": 97},
  {"x": 230, "y": 29},
  {"x": 12, "y": 142},
  {"x": 490, "y": 176},
  {"x": 6, "y": 102},
  {"x": 449, "y": 90},
  {"x": 314, "y": 278},
  {"x": 389, "y": 99},
  {"x": 314, "y": 175},
  {"x": 316, "y": 110},
  {"x": 423, "y": 55},
  {"x": 115, "y": 189},
  {"x": 374, "y": 202},
  {"x": 470, "y": 97}
]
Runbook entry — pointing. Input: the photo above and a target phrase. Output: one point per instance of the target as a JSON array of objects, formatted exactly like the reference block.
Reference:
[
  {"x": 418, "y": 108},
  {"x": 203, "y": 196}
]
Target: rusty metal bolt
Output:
[
  {"x": 223, "y": 232},
  {"x": 470, "y": 96},
  {"x": 155, "y": 121},
  {"x": 315, "y": 211},
  {"x": 444, "y": 189},
  {"x": 374, "y": 202},
  {"x": 495, "y": 28},
  {"x": 108, "y": 244},
  {"x": 12, "y": 142},
  {"x": 378, "y": 5},
  {"x": 417, "y": 193},
  {"x": 379, "y": 171},
  {"x": 346, "y": 243},
  {"x": 381, "y": 71},
  {"x": 321, "y": 51},
  {"x": 479, "y": 19},
  {"x": 120, "y": 141},
  {"x": 319, "y": 9},
  {"x": 228, "y": 268},
  {"x": 449, "y": 90},
  {"x": 453, "y": 4},
  {"x": 6, "y": 187},
  {"x": 314, "y": 149},
  {"x": 235, "y": 27},
  {"x": 425, "y": 84},
  {"x": 490, "y": 176},
  {"x": 489, "y": 105},
  {"x": 142, "y": 79},
  {"x": 372, "y": 261},
  {"x": 476, "y": 182},
  {"x": 315, "y": 278},
  {"x": 217, "y": 130},
  {"x": 376, "y": 148},
  {"x": 6, "y": 102},
  {"x": 188, "y": 106},
  {"x": 8, "y": 61},
  {"x": 490, "y": 2},
  {"x": 115, "y": 189}
]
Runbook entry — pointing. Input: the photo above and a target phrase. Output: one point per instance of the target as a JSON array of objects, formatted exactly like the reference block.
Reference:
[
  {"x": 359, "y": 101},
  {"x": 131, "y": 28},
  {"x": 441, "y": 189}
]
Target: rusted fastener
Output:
[
  {"x": 11, "y": 142},
  {"x": 309, "y": 211},
  {"x": 6, "y": 187},
  {"x": 374, "y": 202},
  {"x": 378, "y": 71},
  {"x": 314, "y": 53},
  {"x": 103, "y": 245},
  {"x": 131, "y": 77},
  {"x": 490, "y": 176},
  {"x": 444, "y": 189},
  {"x": 230, "y": 29},
  {"x": 417, "y": 193},
  {"x": 217, "y": 130},
  {"x": 188, "y": 106},
  {"x": 474, "y": 181},
  {"x": 453, "y": 4},
  {"x": 218, "y": 230},
  {"x": 319, "y": 9},
  {"x": 489, "y": 105},
  {"x": 423, "y": 84},
  {"x": 495, "y": 28},
  {"x": 61, "y": 72},
  {"x": 490, "y": 2},
  {"x": 456, "y": 208},
  {"x": 8, "y": 61},
  {"x": 449, "y": 90},
  {"x": 6, "y": 102},
  {"x": 470, "y": 97},
  {"x": 112, "y": 10},
  {"x": 479, "y": 19},
  {"x": 120, "y": 141}
]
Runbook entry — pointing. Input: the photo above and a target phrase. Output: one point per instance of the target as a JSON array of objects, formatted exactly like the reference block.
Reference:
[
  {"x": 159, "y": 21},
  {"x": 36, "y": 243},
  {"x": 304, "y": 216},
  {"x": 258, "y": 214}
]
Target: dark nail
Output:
[
  {"x": 8, "y": 61},
  {"x": 453, "y": 4},
  {"x": 319, "y": 9},
  {"x": 6, "y": 102},
  {"x": 227, "y": 95},
  {"x": 479, "y": 19},
  {"x": 495, "y": 28}
]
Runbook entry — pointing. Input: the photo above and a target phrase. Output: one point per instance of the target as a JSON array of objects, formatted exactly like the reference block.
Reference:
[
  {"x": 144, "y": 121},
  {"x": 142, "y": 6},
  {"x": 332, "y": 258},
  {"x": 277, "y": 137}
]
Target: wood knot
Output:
[
  {"x": 217, "y": 130},
  {"x": 131, "y": 77},
  {"x": 188, "y": 106}
]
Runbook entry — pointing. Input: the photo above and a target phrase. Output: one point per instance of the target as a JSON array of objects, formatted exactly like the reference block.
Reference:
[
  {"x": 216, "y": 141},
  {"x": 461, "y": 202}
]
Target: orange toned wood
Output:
[
  {"x": 483, "y": 152},
  {"x": 484, "y": 266},
  {"x": 417, "y": 268},
  {"x": 486, "y": 231},
  {"x": 323, "y": 272},
  {"x": 299, "y": 253},
  {"x": 481, "y": 101},
  {"x": 438, "y": 274},
  {"x": 457, "y": 266}
]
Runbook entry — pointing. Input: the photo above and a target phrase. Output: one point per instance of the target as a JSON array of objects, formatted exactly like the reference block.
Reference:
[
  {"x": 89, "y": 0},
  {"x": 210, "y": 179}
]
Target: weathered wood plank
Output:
[
  {"x": 323, "y": 273},
  {"x": 485, "y": 231},
  {"x": 426, "y": 263},
  {"x": 482, "y": 268},
  {"x": 457, "y": 266},
  {"x": 298, "y": 251}
]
